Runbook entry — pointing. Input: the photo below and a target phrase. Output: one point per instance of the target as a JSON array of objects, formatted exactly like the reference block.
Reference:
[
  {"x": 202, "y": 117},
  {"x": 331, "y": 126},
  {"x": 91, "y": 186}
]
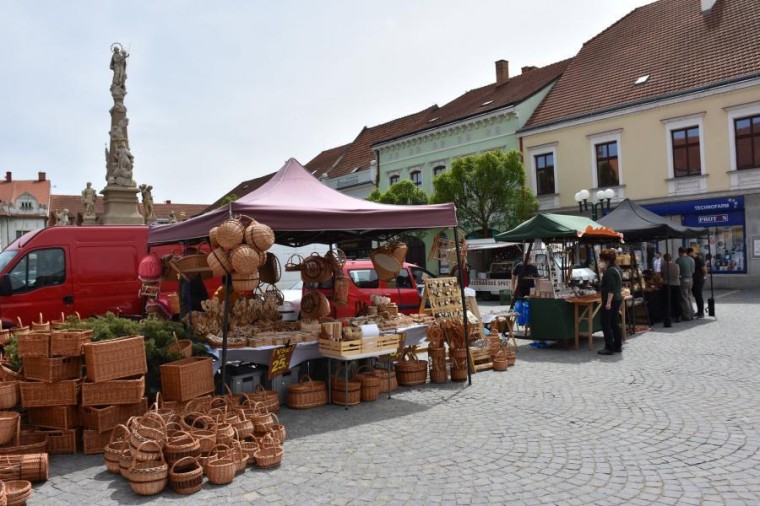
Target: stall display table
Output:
[
  {"x": 554, "y": 320},
  {"x": 350, "y": 358},
  {"x": 585, "y": 310},
  {"x": 263, "y": 354}
]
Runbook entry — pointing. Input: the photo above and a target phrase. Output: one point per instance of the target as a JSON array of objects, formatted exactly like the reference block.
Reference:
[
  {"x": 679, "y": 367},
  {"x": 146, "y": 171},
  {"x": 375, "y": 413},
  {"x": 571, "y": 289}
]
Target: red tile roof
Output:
[
  {"x": 12, "y": 190},
  {"x": 161, "y": 209},
  {"x": 673, "y": 42},
  {"x": 324, "y": 162}
]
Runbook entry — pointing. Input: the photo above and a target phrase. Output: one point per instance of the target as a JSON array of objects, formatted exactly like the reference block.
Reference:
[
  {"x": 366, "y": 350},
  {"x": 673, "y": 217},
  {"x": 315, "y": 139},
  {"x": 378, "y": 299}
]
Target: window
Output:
[
  {"x": 38, "y": 269},
  {"x": 364, "y": 278},
  {"x": 438, "y": 170},
  {"x": 747, "y": 138},
  {"x": 416, "y": 177},
  {"x": 544, "y": 164},
  {"x": 686, "y": 152},
  {"x": 26, "y": 205},
  {"x": 607, "y": 167},
  {"x": 393, "y": 179}
]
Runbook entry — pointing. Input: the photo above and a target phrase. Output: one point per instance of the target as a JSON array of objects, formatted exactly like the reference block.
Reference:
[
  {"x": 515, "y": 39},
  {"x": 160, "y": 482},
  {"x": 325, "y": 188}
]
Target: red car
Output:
[{"x": 405, "y": 291}]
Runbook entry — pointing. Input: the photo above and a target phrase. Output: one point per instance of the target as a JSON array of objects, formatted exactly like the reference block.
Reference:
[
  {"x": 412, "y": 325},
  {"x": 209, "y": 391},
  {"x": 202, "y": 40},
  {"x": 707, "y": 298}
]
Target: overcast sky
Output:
[{"x": 223, "y": 91}]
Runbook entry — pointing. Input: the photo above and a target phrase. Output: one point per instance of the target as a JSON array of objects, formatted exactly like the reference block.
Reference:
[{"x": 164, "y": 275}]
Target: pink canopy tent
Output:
[{"x": 301, "y": 210}]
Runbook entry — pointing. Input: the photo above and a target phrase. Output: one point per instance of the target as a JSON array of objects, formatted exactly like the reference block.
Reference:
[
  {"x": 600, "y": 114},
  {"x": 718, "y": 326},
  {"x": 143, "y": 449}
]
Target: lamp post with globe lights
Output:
[{"x": 603, "y": 198}]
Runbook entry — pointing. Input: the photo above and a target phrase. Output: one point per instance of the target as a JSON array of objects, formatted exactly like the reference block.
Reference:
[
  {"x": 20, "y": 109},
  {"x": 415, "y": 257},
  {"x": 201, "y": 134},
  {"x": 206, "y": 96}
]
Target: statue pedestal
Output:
[
  {"x": 89, "y": 220},
  {"x": 121, "y": 206}
]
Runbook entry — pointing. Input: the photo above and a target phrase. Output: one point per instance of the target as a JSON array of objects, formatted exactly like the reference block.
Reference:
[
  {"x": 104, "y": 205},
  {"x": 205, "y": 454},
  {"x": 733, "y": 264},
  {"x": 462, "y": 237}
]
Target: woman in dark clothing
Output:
[{"x": 612, "y": 297}]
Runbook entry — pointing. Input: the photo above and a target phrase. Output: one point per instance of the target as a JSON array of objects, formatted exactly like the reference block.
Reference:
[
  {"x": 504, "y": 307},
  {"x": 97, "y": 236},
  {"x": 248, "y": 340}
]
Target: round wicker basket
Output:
[
  {"x": 259, "y": 236},
  {"x": 245, "y": 259},
  {"x": 212, "y": 237},
  {"x": 219, "y": 262},
  {"x": 314, "y": 305},
  {"x": 230, "y": 233},
  {"x": 245, "y": 282}
]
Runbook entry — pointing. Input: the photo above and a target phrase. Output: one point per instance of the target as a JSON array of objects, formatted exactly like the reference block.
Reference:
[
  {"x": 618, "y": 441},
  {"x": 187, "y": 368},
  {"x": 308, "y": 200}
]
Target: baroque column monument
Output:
[{"x": 120, "y": 193}]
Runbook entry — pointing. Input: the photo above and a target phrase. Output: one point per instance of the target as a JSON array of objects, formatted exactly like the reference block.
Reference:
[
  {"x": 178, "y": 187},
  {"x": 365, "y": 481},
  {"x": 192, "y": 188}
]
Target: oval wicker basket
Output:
[
  {"x": 186, "y": 476},
  {"x": 259, "y": 236},
  {"x": 147, "y": 477},
  {"x": 315, "y": 269},
  {"x": 230, "y": 233},
  {"x": 269, "y": 398},
  {"x": 221, "y": 471},
  {"x": 410, "y": 370},
  {"x": 17, "y": 492},
  {"x": 270, "y": 271},
  {"x": 219, "y": 262},
  {"x": 245, "y": 259},
  {"x": 212, "y": 240},
  {"x": 245, "y": 282},
  {"x": 386, "y": 265},
  {"x": 314, "y": 305}
]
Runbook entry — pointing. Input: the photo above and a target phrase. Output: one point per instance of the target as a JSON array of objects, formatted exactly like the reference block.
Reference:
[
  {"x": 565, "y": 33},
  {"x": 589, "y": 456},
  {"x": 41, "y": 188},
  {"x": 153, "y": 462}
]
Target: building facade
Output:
[{"x": 24, "y": 206}]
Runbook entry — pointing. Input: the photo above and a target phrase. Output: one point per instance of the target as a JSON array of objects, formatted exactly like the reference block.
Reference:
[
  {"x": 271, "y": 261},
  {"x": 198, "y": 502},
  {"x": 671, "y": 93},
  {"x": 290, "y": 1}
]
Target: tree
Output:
[
  {"x": 488, "y": 190},
  {"x": 228, "y": 198},
  {"x": 403, "y": 193}
]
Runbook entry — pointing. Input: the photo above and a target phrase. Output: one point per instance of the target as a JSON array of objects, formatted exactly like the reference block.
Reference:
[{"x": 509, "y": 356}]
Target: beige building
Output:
[{"x": 663, "y": 107}]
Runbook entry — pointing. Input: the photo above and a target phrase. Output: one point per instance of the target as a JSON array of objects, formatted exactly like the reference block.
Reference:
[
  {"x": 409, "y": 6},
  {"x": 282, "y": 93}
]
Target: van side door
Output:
[{"x": 41, "y": 283}]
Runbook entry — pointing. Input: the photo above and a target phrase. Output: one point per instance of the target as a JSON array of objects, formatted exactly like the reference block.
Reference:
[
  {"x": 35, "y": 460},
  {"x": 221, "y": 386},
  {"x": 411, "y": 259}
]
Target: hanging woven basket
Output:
[
  {"x": 270, "y": 272},
  {"x": 385, "y": 263},
  {"x": 245, "y": 259},
  {"x": 219, "y": 262},
  {"x": 259, "y": 236},
  {"x": 245, "y": 282},
  {"x": 230, "y": 233},
  {"x": 314, "y": 305}
]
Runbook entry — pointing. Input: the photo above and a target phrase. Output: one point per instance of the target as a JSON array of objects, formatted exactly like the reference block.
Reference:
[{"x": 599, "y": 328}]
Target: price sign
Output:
[{"x": 280, "y": 361}]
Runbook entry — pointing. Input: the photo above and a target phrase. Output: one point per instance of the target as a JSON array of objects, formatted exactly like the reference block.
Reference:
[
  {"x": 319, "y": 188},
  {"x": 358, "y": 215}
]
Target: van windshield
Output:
[{"x": 6, "y": 256}]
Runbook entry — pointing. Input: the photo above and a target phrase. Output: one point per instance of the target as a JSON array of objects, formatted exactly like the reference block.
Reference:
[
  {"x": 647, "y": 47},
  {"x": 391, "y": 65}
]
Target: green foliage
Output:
[
  {"x": 228, "y": 198},
  {"x": 488, "y": 190},
  {"x": 403, "y": 193},
  {"x": 159, "y": 334}
]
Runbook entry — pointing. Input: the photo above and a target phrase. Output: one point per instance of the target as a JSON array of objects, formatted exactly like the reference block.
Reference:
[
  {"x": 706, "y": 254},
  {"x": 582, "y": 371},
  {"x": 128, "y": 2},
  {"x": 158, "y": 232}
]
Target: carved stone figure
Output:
[
  {"x": 122, "y": 173},
  {"x": 118, "y": 132},
  {"x": 147, "y": 199},
  {"x": 61, "y": 217},
  {"x": 172, "y": 217},
  {"x": 119, "y": 66},
  {"x": 88, "y": 199}
]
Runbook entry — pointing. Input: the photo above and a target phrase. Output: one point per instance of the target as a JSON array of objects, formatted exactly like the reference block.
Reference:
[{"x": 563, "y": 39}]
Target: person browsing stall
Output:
[
  {"x": 612, "y": 297},
  {"x": 523, "y": 276},
  {"x": 671, "y": 274},
  {"x": 698, "y": 281},
  {"x": 686, "y": 265}
]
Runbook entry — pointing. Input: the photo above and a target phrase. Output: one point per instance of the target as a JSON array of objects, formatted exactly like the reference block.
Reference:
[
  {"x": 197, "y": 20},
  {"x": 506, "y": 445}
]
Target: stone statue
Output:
[
  {"x": 119, "y": 66},
  {"x": 122, "y": 173},
  {"x": 118, "y": 132},
  {"x": 172, "y": 217},
  {"x": 88, "y": 199},
  {"x": 61, "y": 217},
  {"x": 147, "y": 199}
]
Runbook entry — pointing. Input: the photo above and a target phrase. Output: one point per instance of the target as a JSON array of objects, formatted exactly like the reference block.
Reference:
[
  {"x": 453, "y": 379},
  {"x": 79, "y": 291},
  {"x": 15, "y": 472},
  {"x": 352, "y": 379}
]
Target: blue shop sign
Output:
[
  {"x": 716, "y": 207},
  {"x": 714, "y": 219}
]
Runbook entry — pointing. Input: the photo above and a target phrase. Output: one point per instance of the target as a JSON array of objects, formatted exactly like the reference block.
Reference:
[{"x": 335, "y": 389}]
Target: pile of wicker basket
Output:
[
  {"x": 240, "y": 251},
  {"x": 216, "y": 437}
]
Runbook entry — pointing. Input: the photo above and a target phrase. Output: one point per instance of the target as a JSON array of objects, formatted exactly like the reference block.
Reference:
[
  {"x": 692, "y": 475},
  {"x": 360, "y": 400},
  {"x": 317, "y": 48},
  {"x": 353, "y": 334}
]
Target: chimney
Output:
[
  {"x": 528, "y": 69},
  {"x": 502, "y": 71},
  {"x": 167, "y": 202},
  {"x": 707, "y": 5},
  {"x": 8, "y": 176},
  {"x": 41, "y": 177}
]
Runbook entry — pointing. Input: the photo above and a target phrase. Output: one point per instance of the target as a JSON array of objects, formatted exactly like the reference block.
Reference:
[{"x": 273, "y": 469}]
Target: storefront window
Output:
[{"x": 727, "y": 246}]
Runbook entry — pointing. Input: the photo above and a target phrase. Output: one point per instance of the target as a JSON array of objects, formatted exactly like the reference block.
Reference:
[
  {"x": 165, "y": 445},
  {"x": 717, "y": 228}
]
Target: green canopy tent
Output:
[{"x": 557, "y": 227}]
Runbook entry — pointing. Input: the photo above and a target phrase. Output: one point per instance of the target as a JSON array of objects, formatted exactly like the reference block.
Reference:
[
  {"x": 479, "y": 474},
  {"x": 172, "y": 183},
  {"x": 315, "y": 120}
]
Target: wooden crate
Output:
[
  {"x": 340, "y": 348},
  {"x": 480, "y": 359},
  {"x": 54, "y": 417},
  {"x": 380, "y": 344}
]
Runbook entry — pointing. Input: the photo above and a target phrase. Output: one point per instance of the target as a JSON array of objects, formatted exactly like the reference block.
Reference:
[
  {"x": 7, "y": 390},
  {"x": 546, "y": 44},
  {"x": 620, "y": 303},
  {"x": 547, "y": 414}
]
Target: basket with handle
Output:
[
  {"x": 112, "y": 452},
  {"x": 370, "y": 383},
  {"x": 167, "y": 414},
  {"x": 269, "y": 398},
  {"x": 259, "y": 236},
  {"x": 262, "y": 420},
  {"x": 294, "y": 263},
  {"x": 410, "y": 370},
  {"x": 270, "y": 271},
  {"x": 69, "y": 342},
  {"x": 183, "y": 347},
  {"x": 181, "y": 445},
  {"x": 307, "y": 394},
  {"x": 186, "y": 476},
  {"x": 147, "y": 477},
  {"x": 277, "y": 430},
  {"x": 219, "y": 262},
  {"x": 499, "y": 360},
  {"x": 315, "y": 269},
  {"x": 221, "y": 467},
  {"x": 41, "y": 326},
  {"x": 314, "y": 305},
  {"x": 269, "y": 453},
  {"x": 346, "y": 393},
  {"x": 387, "y": 376}
]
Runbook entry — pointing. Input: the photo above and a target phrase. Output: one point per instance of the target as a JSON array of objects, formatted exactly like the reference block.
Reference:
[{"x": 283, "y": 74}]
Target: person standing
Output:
[
  {"x": 657, "y": 263},
  {"x": 698, "y": 281},
  {"x": 612, "y": 297},
  {"x": 686, "y": 266},
  {"x": 671, "y": 289},
  {"x": 523, "y": 276}
]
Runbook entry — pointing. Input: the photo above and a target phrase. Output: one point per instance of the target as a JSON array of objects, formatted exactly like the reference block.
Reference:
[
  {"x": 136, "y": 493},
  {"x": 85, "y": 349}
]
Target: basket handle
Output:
[
  {"x": 185, "y": 460},
  {"x": 152, "y": 415},
  {"x": 113, "y": 433},
  {"x": 20, "y": 323},
  {"x": 139, "y": 448}
]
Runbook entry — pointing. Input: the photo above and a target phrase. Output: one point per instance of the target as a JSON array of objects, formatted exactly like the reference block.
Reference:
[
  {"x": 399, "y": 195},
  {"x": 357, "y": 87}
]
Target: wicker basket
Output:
[
  {"x": 341, "y": 288},
  {"x": 411, "y": 371},
  {"x": 245, "y": 259},
  {"x": 346, "y": 393},
  {"x": 17, "y": 492},
  {"x": 117, "y": 444},
  {"x": 186, "y": 476},
  {"x": 41, "y": 326},
  {"x": 259, "y": 236},
  {"x": 314, "y": 305},
  {"x": 52, "y": 369},
  {"x": 219, "y": 262},
  {"x": 5, "y": 336},
  {"x": 307, "y": 394},
  {"x": 385, "y": 263},
  {"x": 370, "y": 383},
  {"x": 499, "y": 360},
  {"x": 126, "y": 391},
  {"x": 181, "y": 445},
  {"x": 105, "y": 418},
  {"x": 187, "y": 378},
  {"x": 31, "y": 467},
  {"x": 192, "y": 264},
  {"x": 243, "y": 283},
  {"x": 212, "y": 237},
  {"x": 270, "y": 399},
  {"x": 33, "y": 344},
  {"x": 387, "y": 377},
  {"x": 315, "y": 269},
  {"x": 294, "y": 263},
  {"x": 115, "y": 359},
  {"x": 69, "y": 342},
  {"x": 230, "y": 233},
  {"x": 277, "y": 430},
  {"x": 269, "y": 453},
  {"x": 221, "y": 471},
  {"x": 33, "y": 442},
  {"x": 36, "y": 394},
  {"x": 9, "y": 426},
  {"x": 147, "y": 477},
  {"x": 270, "y": 271},
  {"x": 54, "y": 417},
  {"x": 62, "y": 442},
  {"x": 183, "y": 347},
  {"x": 458, "y": 364},
  {"x": 438, "y": 371},
  {"x": 8, "y": 394}
]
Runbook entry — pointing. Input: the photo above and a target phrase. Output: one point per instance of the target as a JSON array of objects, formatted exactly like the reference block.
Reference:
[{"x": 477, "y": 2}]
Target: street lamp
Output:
[{"x": 597, "y": 207}]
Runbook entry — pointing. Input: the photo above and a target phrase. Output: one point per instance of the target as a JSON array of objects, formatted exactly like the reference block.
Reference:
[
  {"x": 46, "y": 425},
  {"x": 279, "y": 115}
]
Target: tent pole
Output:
[
  {"x": 667, "y": 322},
  {"x": 225, "y": 325},
  {"x": 460, "y": 276}
]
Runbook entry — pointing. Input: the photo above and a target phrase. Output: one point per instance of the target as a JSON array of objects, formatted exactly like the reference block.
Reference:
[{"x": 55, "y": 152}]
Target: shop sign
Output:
[
  {"x": 714, "y": 220},
  {"x": 705, "y": 206},
  {"x": 280, "y": 360}
]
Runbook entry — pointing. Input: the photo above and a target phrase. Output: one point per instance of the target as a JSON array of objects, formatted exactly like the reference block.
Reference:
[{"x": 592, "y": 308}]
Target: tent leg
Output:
[
  {"x": 225, "y": 325},
  {"x": 460, "y": 275}
]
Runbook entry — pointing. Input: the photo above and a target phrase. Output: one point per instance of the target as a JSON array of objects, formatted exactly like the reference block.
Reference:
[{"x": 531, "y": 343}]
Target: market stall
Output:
[
  {"x": 554, "y": 315},
  {"x": 490, "y": 265},
  {"x": 300, "y": 210}
]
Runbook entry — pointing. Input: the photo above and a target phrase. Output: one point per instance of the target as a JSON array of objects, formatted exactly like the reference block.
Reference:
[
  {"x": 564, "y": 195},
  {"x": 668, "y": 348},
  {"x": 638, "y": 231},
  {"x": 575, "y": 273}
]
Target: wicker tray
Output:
[
  {"x": 54, "y": 417},
  {"x": 125, "y": 391},
  {"x": 187, "y": 378},
  {"x": 52, "y": 369},
  {"x": 115, "y": 358},
  {"x": 35, "y": 394}
]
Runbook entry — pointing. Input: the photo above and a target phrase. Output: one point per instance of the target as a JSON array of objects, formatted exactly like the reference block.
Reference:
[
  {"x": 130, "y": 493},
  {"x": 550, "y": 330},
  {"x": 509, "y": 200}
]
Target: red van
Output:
[
  {"x": 89, "y": 270},
  {"x": 405, "y": 291}
]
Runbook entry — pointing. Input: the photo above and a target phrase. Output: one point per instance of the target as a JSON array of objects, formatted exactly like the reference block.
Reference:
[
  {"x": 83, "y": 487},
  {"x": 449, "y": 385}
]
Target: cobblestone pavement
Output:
[{"x": 675, "y": 419}]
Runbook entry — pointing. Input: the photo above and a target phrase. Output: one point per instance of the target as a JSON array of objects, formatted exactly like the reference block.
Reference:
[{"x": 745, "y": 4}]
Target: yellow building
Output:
[{"x": 663, "y": 107}]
